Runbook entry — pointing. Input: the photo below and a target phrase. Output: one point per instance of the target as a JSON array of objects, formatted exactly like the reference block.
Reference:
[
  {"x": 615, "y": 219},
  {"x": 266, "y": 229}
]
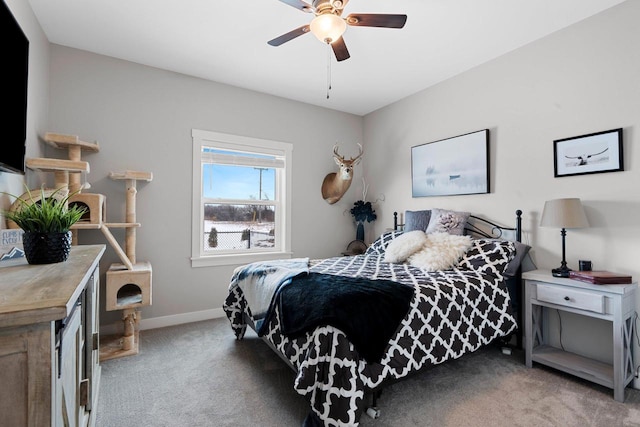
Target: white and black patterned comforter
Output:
[{"x": 452, "y": 313}]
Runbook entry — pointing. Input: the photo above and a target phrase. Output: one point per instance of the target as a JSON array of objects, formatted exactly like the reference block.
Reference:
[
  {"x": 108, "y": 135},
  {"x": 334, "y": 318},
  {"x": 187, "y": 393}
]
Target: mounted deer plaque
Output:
[{"x": 337, "y": 183}]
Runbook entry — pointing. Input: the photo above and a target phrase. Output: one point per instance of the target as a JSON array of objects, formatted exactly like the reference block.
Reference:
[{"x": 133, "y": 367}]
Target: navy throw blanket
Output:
[{"x": 367, "y": 311}]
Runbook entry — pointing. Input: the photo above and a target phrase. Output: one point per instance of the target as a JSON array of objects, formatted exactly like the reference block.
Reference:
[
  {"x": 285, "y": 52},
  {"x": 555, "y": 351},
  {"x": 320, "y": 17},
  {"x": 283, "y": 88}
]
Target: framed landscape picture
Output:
[
  {"x": 452, "y": 166},
  {"x": 593, "y": 153}
]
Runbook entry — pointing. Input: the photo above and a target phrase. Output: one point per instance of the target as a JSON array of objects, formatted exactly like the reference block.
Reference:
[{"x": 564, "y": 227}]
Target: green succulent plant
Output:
[{"x": 48, "y": 215}]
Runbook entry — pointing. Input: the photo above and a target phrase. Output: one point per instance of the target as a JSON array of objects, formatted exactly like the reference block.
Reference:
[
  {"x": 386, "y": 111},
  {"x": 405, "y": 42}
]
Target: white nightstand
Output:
[{"x": 613, "y": 303}]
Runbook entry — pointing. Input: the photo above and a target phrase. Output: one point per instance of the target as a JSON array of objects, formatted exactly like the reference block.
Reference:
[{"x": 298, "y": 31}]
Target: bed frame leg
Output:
[{"x": 373, "y": 411}]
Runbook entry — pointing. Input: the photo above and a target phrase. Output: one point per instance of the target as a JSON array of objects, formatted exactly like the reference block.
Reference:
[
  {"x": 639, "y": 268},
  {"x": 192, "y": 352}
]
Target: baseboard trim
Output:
[{"x": 164, "y": 321}]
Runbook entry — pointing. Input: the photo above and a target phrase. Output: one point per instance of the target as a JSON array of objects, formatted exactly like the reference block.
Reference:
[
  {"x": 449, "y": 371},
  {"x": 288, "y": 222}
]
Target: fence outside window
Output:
[{"x": 239, "y": 239}]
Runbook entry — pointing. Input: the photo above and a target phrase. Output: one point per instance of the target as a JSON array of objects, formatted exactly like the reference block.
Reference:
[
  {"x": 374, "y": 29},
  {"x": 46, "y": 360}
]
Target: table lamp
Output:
[{"x": 563, "y": 213}]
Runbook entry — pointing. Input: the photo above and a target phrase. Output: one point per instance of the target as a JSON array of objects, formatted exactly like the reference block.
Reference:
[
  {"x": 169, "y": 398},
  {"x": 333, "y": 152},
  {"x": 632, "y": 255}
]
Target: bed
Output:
[{"x": 350, "y": 325}]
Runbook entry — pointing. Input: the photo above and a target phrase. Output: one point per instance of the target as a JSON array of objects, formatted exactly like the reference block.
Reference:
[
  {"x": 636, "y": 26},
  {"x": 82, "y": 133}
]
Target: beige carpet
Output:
[{"x": 198, "y": 375}]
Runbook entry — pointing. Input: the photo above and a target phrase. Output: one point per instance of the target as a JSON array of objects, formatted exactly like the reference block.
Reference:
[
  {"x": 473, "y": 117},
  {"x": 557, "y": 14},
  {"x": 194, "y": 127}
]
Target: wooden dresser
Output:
[{"x": 49, "y": 355}]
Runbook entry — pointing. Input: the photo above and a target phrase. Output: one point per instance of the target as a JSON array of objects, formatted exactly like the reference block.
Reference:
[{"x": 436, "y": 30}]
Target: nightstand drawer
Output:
[{"x": 571, "y": 298}]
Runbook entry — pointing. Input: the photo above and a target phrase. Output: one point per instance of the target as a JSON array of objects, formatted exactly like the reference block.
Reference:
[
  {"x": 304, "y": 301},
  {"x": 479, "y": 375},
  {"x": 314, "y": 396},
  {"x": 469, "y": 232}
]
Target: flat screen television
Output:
[{"x": 15, "y": 70}]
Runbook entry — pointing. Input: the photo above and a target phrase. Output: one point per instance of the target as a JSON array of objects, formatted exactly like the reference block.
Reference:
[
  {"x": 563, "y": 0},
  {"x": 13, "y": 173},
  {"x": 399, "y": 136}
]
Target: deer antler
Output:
[
  {"x": 356, "y": 159},
  {"x": 335, "y": 153}
]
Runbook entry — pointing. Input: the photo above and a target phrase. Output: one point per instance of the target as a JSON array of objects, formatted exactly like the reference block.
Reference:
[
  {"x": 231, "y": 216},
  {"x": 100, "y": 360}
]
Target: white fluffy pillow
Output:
[
  {"x": 441, "y": 251},
  {"x": 405, "y": 245}
]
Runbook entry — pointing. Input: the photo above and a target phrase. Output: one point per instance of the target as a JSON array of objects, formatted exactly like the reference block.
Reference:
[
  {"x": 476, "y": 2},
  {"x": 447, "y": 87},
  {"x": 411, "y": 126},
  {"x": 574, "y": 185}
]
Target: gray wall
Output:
[
  {"x": 579, "y": 80},
  {"x": 142, "y": 118}
]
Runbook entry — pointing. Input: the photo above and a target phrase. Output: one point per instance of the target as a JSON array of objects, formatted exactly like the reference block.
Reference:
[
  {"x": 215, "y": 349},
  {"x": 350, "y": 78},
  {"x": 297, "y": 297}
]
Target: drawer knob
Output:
[{"x": 567, "y": 299}]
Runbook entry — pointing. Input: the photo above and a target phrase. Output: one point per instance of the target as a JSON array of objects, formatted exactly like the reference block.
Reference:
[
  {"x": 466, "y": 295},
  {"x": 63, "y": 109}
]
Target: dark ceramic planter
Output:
[
  {"x": 46, "y": 248},
  {"x": 360, "y": 231}
]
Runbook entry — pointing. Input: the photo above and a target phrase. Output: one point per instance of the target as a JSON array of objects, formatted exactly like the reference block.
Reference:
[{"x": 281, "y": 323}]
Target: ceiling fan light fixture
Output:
[{"x": 328, "y": 27}]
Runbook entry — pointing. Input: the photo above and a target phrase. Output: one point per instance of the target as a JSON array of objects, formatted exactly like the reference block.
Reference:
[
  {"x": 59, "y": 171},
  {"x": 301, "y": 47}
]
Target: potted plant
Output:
[
  {"x": 46, "y": 224},
  {"x": 362, "y": 211}
]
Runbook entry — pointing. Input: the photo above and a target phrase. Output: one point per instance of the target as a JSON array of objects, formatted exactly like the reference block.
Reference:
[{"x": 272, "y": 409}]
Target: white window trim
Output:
[{"x": 235, "y": 142}]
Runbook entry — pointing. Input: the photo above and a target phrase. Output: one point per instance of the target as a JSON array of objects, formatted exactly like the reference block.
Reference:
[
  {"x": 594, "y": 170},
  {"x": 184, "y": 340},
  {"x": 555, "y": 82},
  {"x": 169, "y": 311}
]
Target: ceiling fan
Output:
[{"x": 329, "y": 25}]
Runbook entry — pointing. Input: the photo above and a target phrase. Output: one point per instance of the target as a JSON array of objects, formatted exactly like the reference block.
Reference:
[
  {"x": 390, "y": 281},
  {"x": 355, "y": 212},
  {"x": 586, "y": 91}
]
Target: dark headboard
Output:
[{"x": 481, "y": 227}]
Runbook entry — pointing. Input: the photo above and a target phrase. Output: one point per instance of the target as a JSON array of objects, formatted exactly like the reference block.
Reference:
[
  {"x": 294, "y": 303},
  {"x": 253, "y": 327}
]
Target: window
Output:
[{"x": 241, "y": 199}]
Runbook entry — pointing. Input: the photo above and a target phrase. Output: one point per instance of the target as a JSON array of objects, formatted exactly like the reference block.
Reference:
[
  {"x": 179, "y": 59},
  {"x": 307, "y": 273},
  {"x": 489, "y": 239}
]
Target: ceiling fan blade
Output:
[
  {"x": 299, "y": 4},
  {"x": 289, "y": 36},
  {"x": 376, "y": 20},
  {"x": 340, "y": 49}
]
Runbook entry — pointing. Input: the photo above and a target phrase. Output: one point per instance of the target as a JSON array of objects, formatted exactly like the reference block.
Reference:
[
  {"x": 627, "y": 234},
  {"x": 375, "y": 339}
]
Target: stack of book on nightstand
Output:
[{"x": 600, "y": 277}]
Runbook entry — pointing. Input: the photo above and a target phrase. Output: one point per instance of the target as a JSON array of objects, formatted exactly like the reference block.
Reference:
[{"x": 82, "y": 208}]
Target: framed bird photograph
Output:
[{"x": 585, "y": 154}]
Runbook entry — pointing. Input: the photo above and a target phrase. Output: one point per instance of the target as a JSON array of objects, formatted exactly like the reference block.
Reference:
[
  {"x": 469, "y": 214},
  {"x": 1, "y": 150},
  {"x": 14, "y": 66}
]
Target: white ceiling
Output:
[{"x": 227, "y": 41}]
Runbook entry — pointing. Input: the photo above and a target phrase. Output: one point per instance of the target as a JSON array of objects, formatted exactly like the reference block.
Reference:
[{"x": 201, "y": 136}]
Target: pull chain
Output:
[{"x": 328, "y": 69}]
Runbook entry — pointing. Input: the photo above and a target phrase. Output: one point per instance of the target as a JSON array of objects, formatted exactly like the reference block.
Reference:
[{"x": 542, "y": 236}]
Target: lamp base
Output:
[{"x": 561, "y": 271}]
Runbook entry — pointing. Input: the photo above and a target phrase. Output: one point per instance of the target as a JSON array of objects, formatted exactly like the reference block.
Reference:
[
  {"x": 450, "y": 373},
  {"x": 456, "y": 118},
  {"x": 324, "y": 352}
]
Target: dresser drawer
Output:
[{"x": 568, "y": 297}]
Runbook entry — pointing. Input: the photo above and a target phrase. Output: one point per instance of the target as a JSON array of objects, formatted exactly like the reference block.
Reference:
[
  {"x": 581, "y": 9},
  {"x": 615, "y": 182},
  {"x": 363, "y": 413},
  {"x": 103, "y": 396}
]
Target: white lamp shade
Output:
[
  {"x": 564, "y": 213},
  {"x": 328, "y": 27}
]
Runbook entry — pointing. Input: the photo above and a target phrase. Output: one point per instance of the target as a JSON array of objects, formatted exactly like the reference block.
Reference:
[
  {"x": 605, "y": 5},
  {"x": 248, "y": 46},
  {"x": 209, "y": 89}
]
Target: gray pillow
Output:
[
  {"x": 416, "y": 220},
  {"x": 446, "y": 221},
  {"x": 521, "y": 251}
]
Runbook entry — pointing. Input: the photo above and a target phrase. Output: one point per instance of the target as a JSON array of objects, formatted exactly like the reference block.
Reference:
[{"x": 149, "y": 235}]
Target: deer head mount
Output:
[{"x": 337, "y": 183}]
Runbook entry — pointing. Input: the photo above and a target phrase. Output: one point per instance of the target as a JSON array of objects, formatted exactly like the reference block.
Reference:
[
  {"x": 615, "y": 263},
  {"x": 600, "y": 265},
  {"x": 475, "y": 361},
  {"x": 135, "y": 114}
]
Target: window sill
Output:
[{"x": 237, "y": 259}]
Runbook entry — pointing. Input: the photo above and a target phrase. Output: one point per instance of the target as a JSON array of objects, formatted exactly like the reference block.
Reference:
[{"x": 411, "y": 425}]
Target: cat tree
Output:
[{"x": 128, "y": 285}]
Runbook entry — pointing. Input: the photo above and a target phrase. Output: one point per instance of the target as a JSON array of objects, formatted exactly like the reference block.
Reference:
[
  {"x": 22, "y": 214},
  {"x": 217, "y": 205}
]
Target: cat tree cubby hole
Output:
[
  {"x": 126, "y": 290},
  {"x": 95, "y": 205},
  {"x": 129, "y": 294}
]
